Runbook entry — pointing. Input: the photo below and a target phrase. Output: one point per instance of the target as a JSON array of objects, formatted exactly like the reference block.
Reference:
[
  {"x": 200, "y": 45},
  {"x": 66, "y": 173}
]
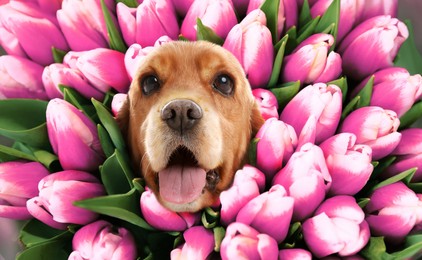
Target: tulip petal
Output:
[{"x": 37, "y": 210}]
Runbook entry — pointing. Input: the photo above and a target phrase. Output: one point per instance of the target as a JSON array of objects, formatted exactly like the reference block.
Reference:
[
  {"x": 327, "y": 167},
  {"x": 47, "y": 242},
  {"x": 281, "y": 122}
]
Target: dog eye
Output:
[
  {"x": 224, "y": 84},
  {"x": 149, "y": 84}
]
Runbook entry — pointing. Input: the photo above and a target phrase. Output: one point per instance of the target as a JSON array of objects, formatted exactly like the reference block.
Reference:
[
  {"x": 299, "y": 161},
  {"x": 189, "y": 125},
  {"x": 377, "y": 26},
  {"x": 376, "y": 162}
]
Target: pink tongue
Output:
[{"x": 181, "y": 184}]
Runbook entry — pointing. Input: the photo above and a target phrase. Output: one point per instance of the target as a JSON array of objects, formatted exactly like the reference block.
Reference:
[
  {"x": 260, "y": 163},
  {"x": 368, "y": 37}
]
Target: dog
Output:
[{"x": 188, "y": 120}]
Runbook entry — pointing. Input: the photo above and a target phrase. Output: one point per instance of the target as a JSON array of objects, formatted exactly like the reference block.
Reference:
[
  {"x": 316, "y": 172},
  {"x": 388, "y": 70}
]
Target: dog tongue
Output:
[{"x": 181, "y": 184}]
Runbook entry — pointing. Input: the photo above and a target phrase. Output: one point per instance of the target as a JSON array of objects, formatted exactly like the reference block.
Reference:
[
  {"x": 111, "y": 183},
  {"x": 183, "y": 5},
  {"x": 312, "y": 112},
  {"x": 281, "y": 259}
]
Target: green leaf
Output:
[
  {"x": 205, "y": 33},
  {"x": 329, "y": 21},
  {"x": 292, "y": 40},
  {"x": 285, "y": 93},
  {"x": 362, "y": 99},
  {"x": 352, "y": 105},
  {"x": 58, "y": 55},
  {"x": 305, "y": 14},
  {"x": 252, "y": 151},
  {"x": 412, "y": 248},
  {"x": 408, "y": 56},
  {"x": 270, "y": 8},
  {"x": 139, "y": 184},
  {"x": 56, "y": 249},
  {"x": 383, "y": 164},
  {"x": 24, "y": 120},
  {"x": 219, "y": 233},
  {"x": 129, "y": 3},
  {"x": 307, "y": 30},
  {"x": 405, "y": 176},
  {"x": 363, "y": 202},
  {"x": 121, "y": 206},
  {"x": 342, "y": 84},
  {"x": 278, "y": 62},
  {"x": 35, "y": 232},
  {"x": 80, "y": 102},
  {"x": 105, "y": 141},
  {"x": 114, "y": 177},
  {"x": 375, "y": 249},
  {"x": 116, "y": 40},
  {"x": 9, "y": 154},
  {"x": 411, "y": 116},
  {"x": 416, "y": 187}
]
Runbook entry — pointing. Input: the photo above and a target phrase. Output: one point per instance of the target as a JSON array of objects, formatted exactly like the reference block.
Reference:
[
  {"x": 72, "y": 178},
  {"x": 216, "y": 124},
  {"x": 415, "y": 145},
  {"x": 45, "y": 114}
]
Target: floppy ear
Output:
[
  {"x": 123, "y": 118},
  {"x": 256, "y": 120}
]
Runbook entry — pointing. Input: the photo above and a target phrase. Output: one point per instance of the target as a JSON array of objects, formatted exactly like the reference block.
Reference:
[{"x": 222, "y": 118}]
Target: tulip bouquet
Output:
[{"x": 336, "y": 169}]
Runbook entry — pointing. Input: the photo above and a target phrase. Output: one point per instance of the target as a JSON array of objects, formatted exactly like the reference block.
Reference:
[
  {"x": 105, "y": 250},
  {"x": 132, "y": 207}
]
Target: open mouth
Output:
[{"x": 183, "y": 180}]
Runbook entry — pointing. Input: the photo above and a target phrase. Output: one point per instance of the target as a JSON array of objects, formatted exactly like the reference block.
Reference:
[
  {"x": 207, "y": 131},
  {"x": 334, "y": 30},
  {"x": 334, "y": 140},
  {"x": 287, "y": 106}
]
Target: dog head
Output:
[{"x": 188, "y": 120}]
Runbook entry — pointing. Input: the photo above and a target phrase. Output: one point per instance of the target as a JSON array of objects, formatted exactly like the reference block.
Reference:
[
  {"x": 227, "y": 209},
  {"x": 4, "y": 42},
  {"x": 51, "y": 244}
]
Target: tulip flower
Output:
[
  {"x": 319, "y": 100},
  {"x": 371, "y": 8},
  {"x": 104, "y": 68},
  {"x": 295, "y": 254},
  {"x": 20, "y": 22},
  {"x": 73, "y": 136},
  {"x": 118, "y": 100},
  {"x": 18, "y": 183},
  {"x": 371, "y": 46},
  {"x": 102, "y": 240},
  {"x": 246, "y": 186},
  {"x": 305, "y": 178},
  {"x": 349, "y": 164},
  {"x": 219, "y": 15},
  {"x": 267, "y": 103},
  {"x": 277, "y": 142},
  {"x": 182, "y": 6},
  {"x": 59, "y": 74},
  {"x": 48, "y": 6},
  {"x": 57, "y": 193},
  {"x": 83, "y": 24},
  {"x": 199, "y": 244},
  {"x": 134, "y": 56},
  {"x": 393, "y": 211},
  {"x": 311, "y": 61},
  {"x": 20, "y": 78},
  {"x": 408, "y": 154},
  {"x": 148, "y": 22},
  {"x": 338, "y": 226},
  {"x": 394, "y": 89},
  {"x": 374, "y": 127},
  {"x": 269, "y": 213},
  {"x": 243, "y": 242},
  {"x": 251, "y": 43},
  {"x": 162, "y": 218}
]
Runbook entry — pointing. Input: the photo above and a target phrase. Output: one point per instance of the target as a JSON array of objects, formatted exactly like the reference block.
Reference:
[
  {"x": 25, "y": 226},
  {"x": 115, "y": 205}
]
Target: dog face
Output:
[{"x": 188, "y": 121}]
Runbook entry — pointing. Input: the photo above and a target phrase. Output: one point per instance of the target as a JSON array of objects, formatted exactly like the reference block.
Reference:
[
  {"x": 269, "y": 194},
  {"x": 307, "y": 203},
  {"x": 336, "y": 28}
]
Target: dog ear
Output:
[
  {"x": 123, "y": 118},
  {"x": 256, "y": 120}
]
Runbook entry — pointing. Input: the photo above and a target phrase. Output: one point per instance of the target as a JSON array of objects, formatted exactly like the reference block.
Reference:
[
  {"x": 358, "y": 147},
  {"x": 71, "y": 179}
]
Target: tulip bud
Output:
[
  {"x": 73, "y": 136},
  {"x": 277, "y": 142},
  {"x": 20, "y": 22},
  {"x": 267, "y": 103},
  {"x": 59, "y": 74},
  {"x": 57, "y": 193},
  {"x": 374, "y": 127},
  {"x": 118, "y": 100},
  {"x": 162, "y": 218},
  {"x": 311, "y": 61},
  {"x": 338, "y": 226},
  {"x": 319, "y": 100},
  {"x": 134, "y": 57},
  {"x": 394, "y": 89},
  {"x": 305, "y": 178},
  {"x": 349, "y": 164},
  {"x": 269, "y": 213},
  {"x": 371, "y": 46},
  {"x": 19, "y": 183},
  {"x": 104, "y": 68},
  {"x": 371, "y": 8},
  {"x": 408, "y": 154},
  {"x": 102, "y": 240},
  {"x": 20, "y": 78},
  {"x": 199, "y": 244},
  {"x": 244, "y": 242},
  {"x": 393, "y": 211},
  {"x": 251, "y": 43},
  {"x": 295, "y": 254},
  {"x": 219, "y": 15}
]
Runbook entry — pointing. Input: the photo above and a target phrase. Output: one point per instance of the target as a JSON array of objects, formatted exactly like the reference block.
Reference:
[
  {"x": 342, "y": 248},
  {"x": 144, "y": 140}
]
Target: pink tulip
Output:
[
  {"x": 267, "y": 103},
  {"x": 20, "y": 78},
  {"x": 393, "y": 211},
  {"x": 305, "y": 178},
  {"x": 322, "y": 101},
  {"x": 338, "y": 226},
  {"x": 251, "y": 43},
  {"x": 162, "y": 218},
  {"x": 219, "y": 15},
  {"x": 246, "y": 186},
  {"x": 311, "y": 61},
  {"x": 199, "y": 244},
  {"x": 59, "y": 74},
  {"x": 73, "y": 136},
  {"x": 102, "y": 240},
  {"x": 243, "y": 242},
  {"x": 277, "y": 142},
  {"x": 134, "y": 57},
  {"x": 372, "y": 46},
  {"x": 148, "y": 22},
  {"x": 269, "y": 213},
  {"x": 83, "y": 24},
  {"x": 394, "y": 89},
  {"x": 182, "y": 6},
  {"x": 118, "y": 100},
  {"x": 408, "y": 153},
  {"x": 371, "y": 8},
  {"x": 18, "y": 183},
  {"x": 295, "y": 254},
  {"x": 374, "y": 127},
  {"x": 22, "y": 24},
  {"x": 57, "y": 193},
  {"x": 349, "y": 164},
  {"x": 104, "y": 68}
]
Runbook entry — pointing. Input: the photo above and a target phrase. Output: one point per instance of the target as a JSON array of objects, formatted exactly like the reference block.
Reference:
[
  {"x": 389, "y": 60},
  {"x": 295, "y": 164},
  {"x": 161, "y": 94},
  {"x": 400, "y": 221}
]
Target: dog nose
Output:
[{"x": 181, "y": 114}]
